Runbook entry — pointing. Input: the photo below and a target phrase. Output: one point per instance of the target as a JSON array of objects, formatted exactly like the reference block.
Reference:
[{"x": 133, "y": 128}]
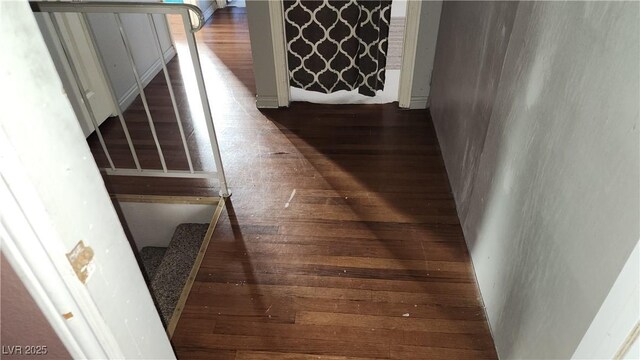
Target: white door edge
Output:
[
  {"x": 409, "y": 48},
  {"x": 276, "y": 14},
  {"x": 39, "y": 264}
]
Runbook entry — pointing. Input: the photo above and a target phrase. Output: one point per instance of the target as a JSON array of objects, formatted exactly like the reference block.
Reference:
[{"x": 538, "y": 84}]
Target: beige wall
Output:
[
  {"x": 21, "y": 321},
  {"x": 536, "y": 109}
]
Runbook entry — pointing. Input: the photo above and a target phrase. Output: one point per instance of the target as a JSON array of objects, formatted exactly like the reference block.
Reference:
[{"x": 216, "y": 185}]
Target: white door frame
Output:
[
  {"x": 413, "y": 31},
  {"x": 421, "y": 36},
  {"x": 53, "y": 197},
  {"x": 409, "y": 47},
  {"x": 279, "y": 40}
]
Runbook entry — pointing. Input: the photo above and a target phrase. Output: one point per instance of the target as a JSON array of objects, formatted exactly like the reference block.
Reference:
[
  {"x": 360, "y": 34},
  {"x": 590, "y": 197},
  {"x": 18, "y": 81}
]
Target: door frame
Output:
[
  {"x": 421, "y": 25},
  {"x": 409, "y": 49},
  {"x": 279, "y": 41}
]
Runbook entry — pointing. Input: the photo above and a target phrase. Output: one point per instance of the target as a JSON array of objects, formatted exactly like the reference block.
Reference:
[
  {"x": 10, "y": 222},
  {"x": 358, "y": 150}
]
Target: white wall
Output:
[
  {"x": 153, "y": 224},
  {"x": 114, "y": 56},
  {"x": 63, "y": 67},
  {"x": 206, "y": 6},
  {"x": 536, "y": 109},
  {"x": 143, "y": 47}
]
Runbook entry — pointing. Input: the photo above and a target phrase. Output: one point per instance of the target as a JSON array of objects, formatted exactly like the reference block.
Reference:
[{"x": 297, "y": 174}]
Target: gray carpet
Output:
[
  {"x": 151, "y": 256},
  {"x": 171, "y": 275}
]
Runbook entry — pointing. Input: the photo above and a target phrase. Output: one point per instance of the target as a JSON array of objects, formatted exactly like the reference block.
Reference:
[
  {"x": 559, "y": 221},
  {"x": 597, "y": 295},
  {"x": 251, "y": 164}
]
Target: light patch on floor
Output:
[{"x": 388, "y": 95}]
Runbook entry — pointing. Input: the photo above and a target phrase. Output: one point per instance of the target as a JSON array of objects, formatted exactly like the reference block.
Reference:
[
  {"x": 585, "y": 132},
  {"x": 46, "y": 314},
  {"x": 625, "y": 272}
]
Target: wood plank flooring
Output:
[{"x": 341, "y": 239}]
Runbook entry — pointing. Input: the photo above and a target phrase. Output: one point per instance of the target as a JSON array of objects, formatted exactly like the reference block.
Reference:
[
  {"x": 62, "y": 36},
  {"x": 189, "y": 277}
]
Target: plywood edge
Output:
[
  {"x": 177, "y": 312},
  {"x": 166, "y": 199}
]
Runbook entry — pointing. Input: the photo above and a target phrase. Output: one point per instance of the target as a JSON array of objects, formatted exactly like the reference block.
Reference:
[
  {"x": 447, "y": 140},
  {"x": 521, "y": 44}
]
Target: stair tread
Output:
[
  {"x": 151, "y": 256},
  {"x": 175, "y": 267}
]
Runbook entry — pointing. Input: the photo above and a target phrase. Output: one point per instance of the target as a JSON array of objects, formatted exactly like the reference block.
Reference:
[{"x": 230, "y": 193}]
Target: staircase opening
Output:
[
  {"x": 158, "y": 133},
  {"x": 169, "y": 235}
]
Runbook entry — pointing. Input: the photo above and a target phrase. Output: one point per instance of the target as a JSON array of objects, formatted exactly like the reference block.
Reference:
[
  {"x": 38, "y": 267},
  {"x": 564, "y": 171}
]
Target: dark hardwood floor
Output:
[{"x": 341, "y": 239}]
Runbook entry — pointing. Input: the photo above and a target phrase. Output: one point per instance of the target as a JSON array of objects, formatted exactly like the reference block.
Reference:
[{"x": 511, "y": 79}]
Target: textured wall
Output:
[
  {"x": 536, "y": 110},
  {"x": 472, "y": 44}
]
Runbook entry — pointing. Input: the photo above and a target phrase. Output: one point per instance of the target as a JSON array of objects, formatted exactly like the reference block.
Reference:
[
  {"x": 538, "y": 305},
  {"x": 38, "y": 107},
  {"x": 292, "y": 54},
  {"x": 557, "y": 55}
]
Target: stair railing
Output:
[{"x": 117, "y": 8}]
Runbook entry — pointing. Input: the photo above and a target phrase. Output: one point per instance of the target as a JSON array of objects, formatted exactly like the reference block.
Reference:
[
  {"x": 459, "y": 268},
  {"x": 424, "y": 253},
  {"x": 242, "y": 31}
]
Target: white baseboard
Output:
[
  {"x": 209, "y": 11},
  {"x": 267, "y": 102},
  {"x": 130, "y": 95},
  {"x": 418, "y": 102}
]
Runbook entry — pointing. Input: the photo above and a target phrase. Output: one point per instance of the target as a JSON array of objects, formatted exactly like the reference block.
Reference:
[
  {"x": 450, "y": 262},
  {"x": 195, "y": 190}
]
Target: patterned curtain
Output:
[{"x": 337, "y": 44}]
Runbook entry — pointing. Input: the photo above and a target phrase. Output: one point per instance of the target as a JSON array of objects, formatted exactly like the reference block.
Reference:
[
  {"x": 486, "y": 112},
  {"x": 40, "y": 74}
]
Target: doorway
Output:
[
  {"x": 392, "y": 70},
  {"x": 419, "y": 35}
]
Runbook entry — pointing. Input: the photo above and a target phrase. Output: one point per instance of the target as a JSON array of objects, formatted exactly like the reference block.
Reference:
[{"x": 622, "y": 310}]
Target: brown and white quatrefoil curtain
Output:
[{"x": 337, "y": 44}]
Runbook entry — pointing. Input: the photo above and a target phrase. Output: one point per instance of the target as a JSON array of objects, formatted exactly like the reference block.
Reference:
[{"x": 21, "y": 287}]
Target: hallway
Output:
[{"x": 341, "y": 238}]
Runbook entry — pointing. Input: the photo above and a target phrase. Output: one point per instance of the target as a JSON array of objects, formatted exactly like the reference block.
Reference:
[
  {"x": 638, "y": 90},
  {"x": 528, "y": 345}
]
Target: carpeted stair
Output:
[
  {"x": 151, "y": 257},
  {"x": 168, "y": 268}
]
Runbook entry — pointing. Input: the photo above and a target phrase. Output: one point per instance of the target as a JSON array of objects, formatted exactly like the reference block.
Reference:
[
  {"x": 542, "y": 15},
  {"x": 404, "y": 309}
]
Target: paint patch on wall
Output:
[{"x": 81, "y": 259}]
